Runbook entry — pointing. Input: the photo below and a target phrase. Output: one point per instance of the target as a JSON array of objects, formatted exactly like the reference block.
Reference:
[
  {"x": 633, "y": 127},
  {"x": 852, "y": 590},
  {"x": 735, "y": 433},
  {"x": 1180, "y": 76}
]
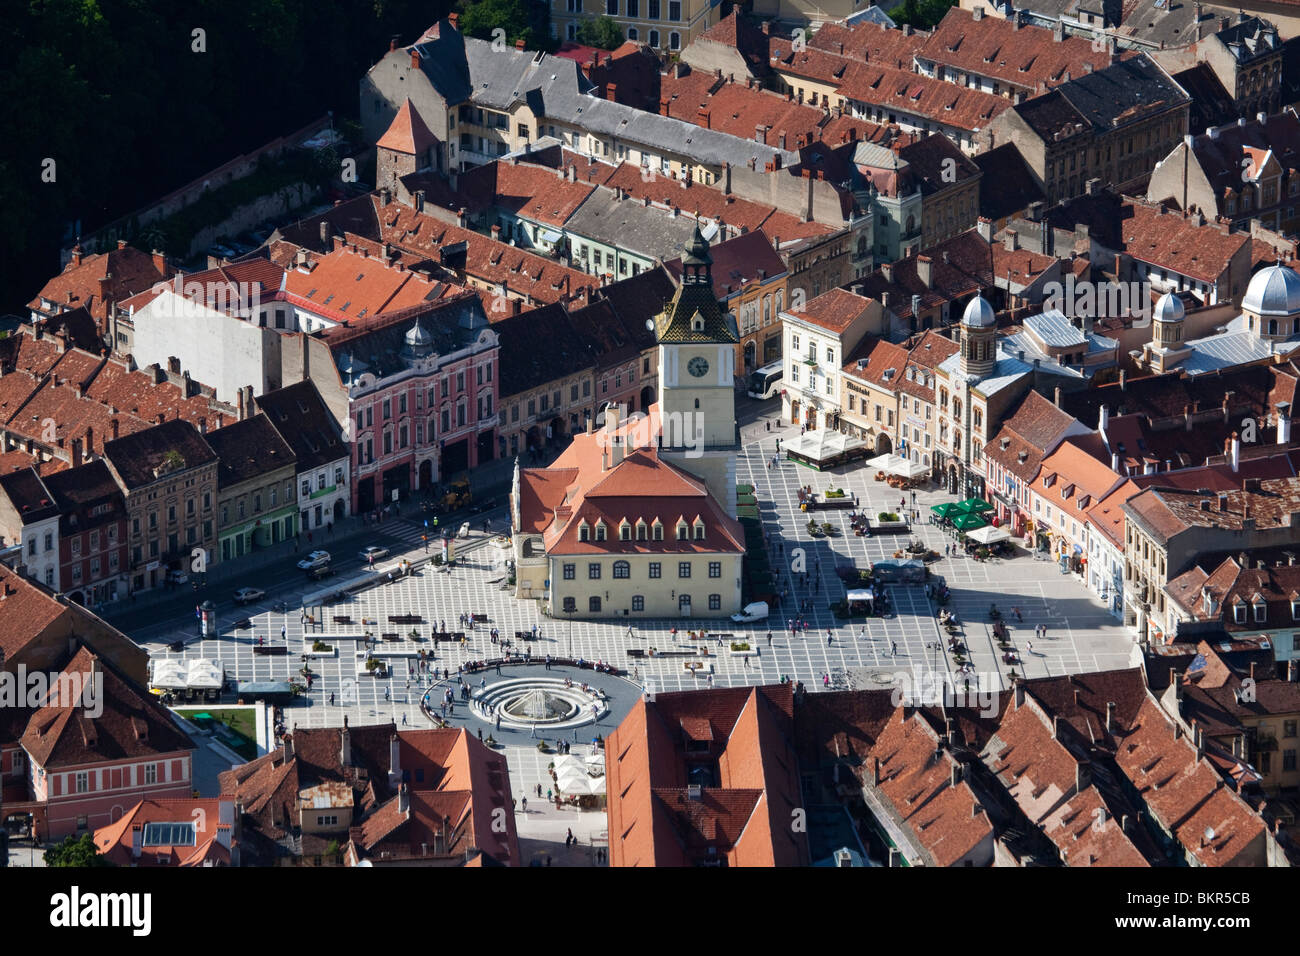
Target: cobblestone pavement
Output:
[{"x": 1081, "y": 634}]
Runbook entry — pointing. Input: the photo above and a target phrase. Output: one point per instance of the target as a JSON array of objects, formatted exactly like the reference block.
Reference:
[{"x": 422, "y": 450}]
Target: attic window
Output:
[
  {"x": 1295, "y": 609},
  {"x": 681, "y": 531},
  {"x": 1239, "y": 613},
  {"x": 1261, "y": 612},
  {"x": 699, "y": 529},
  {"x": 697, "y": 323},
  {"x": 640, "y": 529},
  {"x": 658, "y": 530},
  {"x": 600, "y": 530},
  {"x": 624, "y": 531},
  {"x": 584, "y": 532}
]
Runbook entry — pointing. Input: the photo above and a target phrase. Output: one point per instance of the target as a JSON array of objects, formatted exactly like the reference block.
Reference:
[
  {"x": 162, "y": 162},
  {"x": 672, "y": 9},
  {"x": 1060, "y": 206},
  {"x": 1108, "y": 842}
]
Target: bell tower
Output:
[{"x": 697, "y": 389}]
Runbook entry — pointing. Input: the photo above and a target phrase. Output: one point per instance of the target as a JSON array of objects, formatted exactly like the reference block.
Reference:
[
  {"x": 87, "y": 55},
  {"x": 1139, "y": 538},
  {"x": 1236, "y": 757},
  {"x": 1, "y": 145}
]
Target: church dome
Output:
[
  {"x": 1169, "y": 308},
  {"x": 979, "y": 314},
  {"x": 1273, "y": 291}
]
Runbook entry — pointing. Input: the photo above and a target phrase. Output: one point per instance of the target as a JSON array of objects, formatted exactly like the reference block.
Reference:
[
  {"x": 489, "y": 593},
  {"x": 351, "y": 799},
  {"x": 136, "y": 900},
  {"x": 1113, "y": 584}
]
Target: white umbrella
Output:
[{"x": 989, "y": 535}]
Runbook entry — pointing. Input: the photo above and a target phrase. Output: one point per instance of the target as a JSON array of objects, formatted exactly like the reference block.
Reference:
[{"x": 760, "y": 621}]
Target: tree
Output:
[
  {"x": 481, "y": 18},
  {"x": 75, "y": 852},
  {"x": 601, "y": 32}
]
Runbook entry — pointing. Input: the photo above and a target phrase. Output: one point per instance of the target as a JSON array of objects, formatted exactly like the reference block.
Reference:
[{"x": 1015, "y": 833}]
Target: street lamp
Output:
[{"x": 570, "y": 611}]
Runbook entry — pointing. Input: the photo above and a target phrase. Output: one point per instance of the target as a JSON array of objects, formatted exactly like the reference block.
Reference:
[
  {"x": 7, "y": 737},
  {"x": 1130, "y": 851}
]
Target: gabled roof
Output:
[
  {"x": 835, "y": 310},
  {"x": 133, "y": 725},
  {"x": 302, "y": 419},
  {"x": 204, "y": 815},
  {"x": 249, "y": 450},
  {"x": 138, "y": 459},
  {"x": 408, "y": 132}
]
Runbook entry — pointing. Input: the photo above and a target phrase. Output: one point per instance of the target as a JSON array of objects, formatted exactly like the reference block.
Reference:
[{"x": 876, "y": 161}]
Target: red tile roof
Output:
[
  {"x": 1169, "y": 240},
  {"x": 91, "y": 280},
  {"x": 114, "y": 842},
  {"x": 408, "y": 132},
  {"x": 834, "y": 311},
  {"x": 642, "y": 487},
  {"x": 1026, "y": 56}
]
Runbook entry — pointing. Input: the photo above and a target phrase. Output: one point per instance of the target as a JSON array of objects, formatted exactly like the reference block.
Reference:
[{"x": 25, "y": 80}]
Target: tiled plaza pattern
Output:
[{"x": 1081, "y": 635}]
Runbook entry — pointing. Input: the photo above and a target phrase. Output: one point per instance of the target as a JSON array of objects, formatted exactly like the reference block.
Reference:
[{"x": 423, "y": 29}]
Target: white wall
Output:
[{"x": 219, "y": 350}]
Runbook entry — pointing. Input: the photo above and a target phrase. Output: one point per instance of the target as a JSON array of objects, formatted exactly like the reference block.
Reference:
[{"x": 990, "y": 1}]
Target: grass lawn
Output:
[{"x": 238, "y": 729}]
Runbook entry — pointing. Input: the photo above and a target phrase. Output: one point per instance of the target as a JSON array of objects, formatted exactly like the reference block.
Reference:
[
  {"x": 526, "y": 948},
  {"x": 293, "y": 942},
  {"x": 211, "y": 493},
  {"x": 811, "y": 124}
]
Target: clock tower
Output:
[{"x": 697, "y": 397}]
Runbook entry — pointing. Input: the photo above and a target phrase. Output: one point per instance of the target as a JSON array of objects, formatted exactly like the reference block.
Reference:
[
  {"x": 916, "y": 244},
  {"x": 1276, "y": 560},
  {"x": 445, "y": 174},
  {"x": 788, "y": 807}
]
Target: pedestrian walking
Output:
[
  {"x": 1029, "y": 646},
  {"x": 830, "y": 638},
  {"x": 524, "y": 803},
  {"x": 893, "y": 648},
  {"x": 282, "y": 632},
  {"x": 769, "y": 638}
]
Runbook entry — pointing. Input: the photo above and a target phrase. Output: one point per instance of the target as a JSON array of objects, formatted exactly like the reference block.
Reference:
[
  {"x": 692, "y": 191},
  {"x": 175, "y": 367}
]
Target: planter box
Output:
[
  {"x": 752, "y": 652},
  {"x": 308, "y": 652},
  {"x": 887, "y": 527},
  {"x": 831, "y": 504}
]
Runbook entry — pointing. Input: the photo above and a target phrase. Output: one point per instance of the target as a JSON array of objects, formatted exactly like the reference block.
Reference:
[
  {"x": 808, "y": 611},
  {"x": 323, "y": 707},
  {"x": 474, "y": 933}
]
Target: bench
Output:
[
  {"x": 636, "y": 652},
  {"x": 677, "y": 653},
  {"x": 243, "y": 625},
  {"x": 722, "y": 636},
  {"x": 342, "y": 619},
  {"x": 479, "y": 618},
  {"x": 458, "y": 635},
  {"x": 523, "y": 635},
  {"x": 391, "y": 636},
  {"x": 272, "y": 650},
  {"x": 405, "y": 619}
]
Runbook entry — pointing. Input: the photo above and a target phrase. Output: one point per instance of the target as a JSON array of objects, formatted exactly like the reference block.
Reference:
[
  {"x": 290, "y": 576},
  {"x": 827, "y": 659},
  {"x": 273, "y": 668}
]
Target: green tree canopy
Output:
[
  {"x": 75, "y": 852},
  {"x": 601, "y": 32},
  {"x": 519, "y": 19}
]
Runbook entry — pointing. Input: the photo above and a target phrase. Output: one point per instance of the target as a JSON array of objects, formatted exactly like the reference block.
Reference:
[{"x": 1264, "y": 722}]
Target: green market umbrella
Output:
[
  {"x": 947, "y": 510},
  {"x": 968, "y": 522},
  {"x": 974, "y": 505}
]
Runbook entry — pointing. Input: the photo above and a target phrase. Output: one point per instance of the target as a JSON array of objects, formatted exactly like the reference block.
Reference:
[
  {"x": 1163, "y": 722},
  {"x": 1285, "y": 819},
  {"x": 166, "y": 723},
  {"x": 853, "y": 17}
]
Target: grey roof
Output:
[
  {"x": 1054, "y": 329},
  {"x": 877, "y": 157},
  {"x": 382, "y": 350},
  {"x": 872, "y": 14},
  {"x": 464, "y": 69},
  {"x": 1274, "y": 290},
  {"x": 1235, "y": 346},
  {"x": 1250, "y": 39},
  {"x": 1124, "y": 92},
  {"x": 1007, "y": 370},
  {"x": 627, "y": 224}
]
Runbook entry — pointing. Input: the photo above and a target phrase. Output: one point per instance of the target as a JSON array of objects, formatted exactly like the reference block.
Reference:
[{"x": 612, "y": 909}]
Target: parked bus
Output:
[{"x": 766, "y": 381}]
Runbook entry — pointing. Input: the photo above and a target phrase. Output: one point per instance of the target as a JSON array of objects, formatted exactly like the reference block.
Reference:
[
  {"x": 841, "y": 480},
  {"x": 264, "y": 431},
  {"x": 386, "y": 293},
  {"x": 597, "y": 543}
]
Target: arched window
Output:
[
  {"x": 622, "y": 569},
  {"x": 1272, "y": 326},
  {"x": 767, "y": 308},
  {"x": 631, "y": 35}
]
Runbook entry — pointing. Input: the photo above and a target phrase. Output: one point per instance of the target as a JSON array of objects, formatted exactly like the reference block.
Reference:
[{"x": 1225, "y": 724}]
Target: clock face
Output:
[{"x": 698, "y": 366}]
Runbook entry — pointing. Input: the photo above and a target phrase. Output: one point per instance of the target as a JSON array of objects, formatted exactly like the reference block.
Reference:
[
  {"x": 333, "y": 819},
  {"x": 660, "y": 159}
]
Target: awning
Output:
[
  {"x": 549, "y": 235},
  {"x": 861, "y": 595},
  {"x": 821, "y": 445},
  {"x": 168, "y": 675},
  {"x": 989, "y": 535},
  {"x": 898, "y": 465},
  {"x": 205, "y": 675},
  {"x": 968, "y": 522}
]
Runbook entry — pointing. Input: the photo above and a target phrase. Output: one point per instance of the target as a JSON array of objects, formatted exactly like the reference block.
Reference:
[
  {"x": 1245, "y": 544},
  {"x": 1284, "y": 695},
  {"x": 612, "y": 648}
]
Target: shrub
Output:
[
  {"x": 321, "y": 647},
  {"x": 828, "y": 529},
  {"x": 813, "y": 529},
  {"x": 887, "y": 516},
  {"x": 741, "y": 646}
]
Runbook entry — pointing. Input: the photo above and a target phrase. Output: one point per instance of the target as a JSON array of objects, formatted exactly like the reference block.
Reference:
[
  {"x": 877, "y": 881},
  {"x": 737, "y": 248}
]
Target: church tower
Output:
[
  {"x": 979, "y": 349},
  {"x": 697, "y": 390}
]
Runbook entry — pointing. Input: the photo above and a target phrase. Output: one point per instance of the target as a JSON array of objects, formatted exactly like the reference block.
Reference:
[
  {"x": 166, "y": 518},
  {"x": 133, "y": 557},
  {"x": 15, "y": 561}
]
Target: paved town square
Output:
[{"x": 1080, "y": 634}]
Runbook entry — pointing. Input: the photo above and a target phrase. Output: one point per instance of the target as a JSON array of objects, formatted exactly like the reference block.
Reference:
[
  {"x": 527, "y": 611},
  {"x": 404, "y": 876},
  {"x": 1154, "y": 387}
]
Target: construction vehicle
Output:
[{"x": 456, "y": 496}]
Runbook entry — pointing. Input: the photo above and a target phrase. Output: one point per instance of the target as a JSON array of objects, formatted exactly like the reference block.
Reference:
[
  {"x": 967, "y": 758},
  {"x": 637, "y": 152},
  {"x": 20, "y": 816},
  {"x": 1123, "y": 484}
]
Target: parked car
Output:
[
  {"x": 756, "y": 611},
  {"x": 249, "y": 595},
  {"x": 314, "y": 560},
  {"x": 372, "y": 553},
  {"x": 178, "y": 576},
  {"x": 320, "y": 571}
]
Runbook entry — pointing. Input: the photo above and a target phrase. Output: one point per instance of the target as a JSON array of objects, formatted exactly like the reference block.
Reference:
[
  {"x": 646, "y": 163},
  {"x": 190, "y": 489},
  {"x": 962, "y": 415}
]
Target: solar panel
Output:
[{"x": 169, "y": 834}]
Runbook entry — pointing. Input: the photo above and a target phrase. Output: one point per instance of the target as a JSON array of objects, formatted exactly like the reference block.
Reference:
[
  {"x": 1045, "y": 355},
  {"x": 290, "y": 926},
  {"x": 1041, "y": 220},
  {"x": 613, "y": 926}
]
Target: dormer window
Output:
[
  {"x": 584, "y": 532},
  {"x": 699, "y": 529},
  {"x": 1261, "y": 612},
  {"x": 640, "y": 529},
  {"x": 624, "y": 531},
  {"x": 1295, "y": 609},
  {"x": 658, "y": 529},
  {"x": 1239, "y": 613},
  {"x": 681, "y": 531},
  {"x": 601, "y": 530}
]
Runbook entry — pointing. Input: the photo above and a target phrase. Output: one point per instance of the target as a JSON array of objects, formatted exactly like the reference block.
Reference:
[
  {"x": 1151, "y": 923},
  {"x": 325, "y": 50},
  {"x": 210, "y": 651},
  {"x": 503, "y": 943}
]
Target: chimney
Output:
[
  {"x": 573, "y": 173},
  {"x": 76, "y": 452},
  {"x": 76, "y": 254},
  {"x": 1110, "y": 717},
  {"x": 455, "y": 20},
  {"x": 1235, "y": 451},
  {"x": 1057, "y": 401},
  {"x": 956, "y": 774},
  {"x": 415, "y": 58},
  {"x": 1122, "y": 378},
  {"x": 1018, "y": 693},
  {"x": 977, "y": 14},
  {"x": 1103, "y": 420},
  {"x": 403, "y": 793},
  {"x": 924, "y": 271},
  {"x": 1284, "y": 423},
  {"x": 325, "y": 236},
  {"x": 394, "y": 758},
  {"x": 239, "y": 404},
  {"x": 286, "y": 747},
  {"x": 1114, "y": 462},
  {"x": 985, "y": 227},
  {"x": 1011, "y": 241},
  {"x": 345, "y": 744},
  {"x": 887, "y": 270},
  {"x": 160, "y": 262},
  {"x": 112, "y": 427}
]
